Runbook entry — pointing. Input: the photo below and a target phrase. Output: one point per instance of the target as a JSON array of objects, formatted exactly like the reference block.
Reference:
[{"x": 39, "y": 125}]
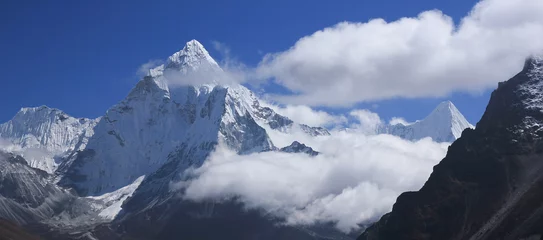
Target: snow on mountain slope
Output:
[
  {"x": 44, "y": 135},
  {"x": 111, "y": 203},
  {"x": 159, "y": 119},
  {"x": 444, "y": 124}
]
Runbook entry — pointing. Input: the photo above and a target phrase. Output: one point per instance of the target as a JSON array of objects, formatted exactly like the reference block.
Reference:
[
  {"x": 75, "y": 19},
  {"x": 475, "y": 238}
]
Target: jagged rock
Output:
[
  {"x": 489, "y": 186},
  {"x": 297, "y": 147}
]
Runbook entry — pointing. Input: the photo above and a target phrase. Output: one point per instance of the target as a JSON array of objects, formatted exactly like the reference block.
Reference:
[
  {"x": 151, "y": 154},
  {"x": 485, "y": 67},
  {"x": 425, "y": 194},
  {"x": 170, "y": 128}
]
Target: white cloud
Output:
[
  {"x": 355, "y": 179},
  {"x": 307, "y": 115},
  {"x": 398, "y": 120},
  {"x": 368, "y": 122},
  {"x": 222, "y": 48},
  {"x": 426, "y": 56},
  {"x": 143, "y": 70},
  {"x": 8, "y": 146}
]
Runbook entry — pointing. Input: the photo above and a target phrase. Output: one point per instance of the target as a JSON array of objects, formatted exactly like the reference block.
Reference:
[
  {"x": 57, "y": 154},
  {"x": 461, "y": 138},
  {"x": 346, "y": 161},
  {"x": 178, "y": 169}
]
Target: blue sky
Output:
[{"x": 82, "y": 56}]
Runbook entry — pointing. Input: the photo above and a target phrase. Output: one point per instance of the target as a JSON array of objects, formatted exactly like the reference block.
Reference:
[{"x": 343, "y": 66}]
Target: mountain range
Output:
[{"x": 109, "y": 178}]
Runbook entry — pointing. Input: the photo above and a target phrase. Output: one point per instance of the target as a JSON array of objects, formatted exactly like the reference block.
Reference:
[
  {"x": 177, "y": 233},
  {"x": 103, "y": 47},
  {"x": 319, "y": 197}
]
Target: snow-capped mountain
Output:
[
  {"x": 136, "y": 149},
  {"x": 163, "y": 121},
  {"x": 45, "y": 135},
  {"x": 444, "y": 124}
]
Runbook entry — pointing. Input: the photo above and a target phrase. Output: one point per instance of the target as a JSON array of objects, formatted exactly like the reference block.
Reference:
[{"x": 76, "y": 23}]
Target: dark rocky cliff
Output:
[{"x": 490, "y": 184}]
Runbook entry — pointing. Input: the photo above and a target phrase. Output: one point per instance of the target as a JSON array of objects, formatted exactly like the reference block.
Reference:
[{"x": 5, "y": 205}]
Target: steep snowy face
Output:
[
  {"x": 265, "y": 116},
  {"x": 160, "y": 123},
  {"x": 444, "y": 124},
  {"x": 45, "y": 135}
]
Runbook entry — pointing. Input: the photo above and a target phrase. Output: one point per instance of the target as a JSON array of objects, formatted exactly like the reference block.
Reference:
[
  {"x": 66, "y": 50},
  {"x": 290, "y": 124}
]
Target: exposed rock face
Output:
[
  {"x": 297, "y": 147},
  {"x": 490, "y": 184},
  {"x": 26, "y": 194}
]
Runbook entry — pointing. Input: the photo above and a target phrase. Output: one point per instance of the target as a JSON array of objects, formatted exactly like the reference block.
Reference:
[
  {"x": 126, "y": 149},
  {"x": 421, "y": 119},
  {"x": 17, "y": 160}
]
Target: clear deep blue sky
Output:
[{"x": 82, "y": 56}]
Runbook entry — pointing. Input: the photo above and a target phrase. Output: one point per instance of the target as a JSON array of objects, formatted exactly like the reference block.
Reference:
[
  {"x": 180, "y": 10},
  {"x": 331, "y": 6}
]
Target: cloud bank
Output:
[
  {"x": 354, "y": 180},
  {"x": 306, "y": 115},
  {"x": 426, "y": 56}
]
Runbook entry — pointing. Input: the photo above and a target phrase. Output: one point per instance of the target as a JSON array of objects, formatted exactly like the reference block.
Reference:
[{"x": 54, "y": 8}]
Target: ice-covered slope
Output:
[
  {"x": 45, "y": 135},
  {"x": 161, "y": 121},
  {"x": 444, "y": 124}
]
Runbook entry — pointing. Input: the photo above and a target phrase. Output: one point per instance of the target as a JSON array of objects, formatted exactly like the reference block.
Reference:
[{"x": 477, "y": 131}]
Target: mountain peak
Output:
[
  {"x": 444, "y": 124},
  {"x": 447, "y": 111},
  {"x": 534, "y": 62},
  {"x": 445, "y": 107},
  {"x": 193, "y": 56},
  {"x": 39, "y": 112}
]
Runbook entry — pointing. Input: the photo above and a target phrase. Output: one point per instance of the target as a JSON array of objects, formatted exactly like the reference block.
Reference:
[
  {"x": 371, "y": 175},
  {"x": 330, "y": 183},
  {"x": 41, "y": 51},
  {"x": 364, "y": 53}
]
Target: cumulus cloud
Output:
[
  {"x": 143, "y": 70},
  {"x": 354, "y": 180},
  {"x": 398, "y": 120},
  {"x": 368, "y": 121},
  {"x": 307, "y": 115},
  {"x": 8, "y": 146},
  {"x": 424, "y": 56}
]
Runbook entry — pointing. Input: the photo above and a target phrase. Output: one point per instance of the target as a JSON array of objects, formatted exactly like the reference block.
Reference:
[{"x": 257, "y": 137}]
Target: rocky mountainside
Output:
[
  {"x": 489, "y": 186},
  {"x": 444, "y": 124}
]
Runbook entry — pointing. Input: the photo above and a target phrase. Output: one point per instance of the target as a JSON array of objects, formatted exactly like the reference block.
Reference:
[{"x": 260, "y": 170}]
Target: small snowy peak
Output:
[
  {"x": 446, "y": 114},
  {"x": 297, "y": 147},
  {"x": 193, "y": 57},
  {"x": 191, "y": 66},
  {"x": 444, "y": 124},
  {"x": 44, "y": 135}
]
